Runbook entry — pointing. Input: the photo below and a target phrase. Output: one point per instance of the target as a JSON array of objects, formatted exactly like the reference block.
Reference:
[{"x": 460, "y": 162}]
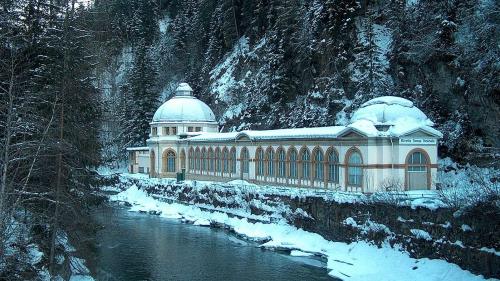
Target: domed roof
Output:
[
  {"x": 389, "y": 110},
  {"x": 183, "y": 107}
]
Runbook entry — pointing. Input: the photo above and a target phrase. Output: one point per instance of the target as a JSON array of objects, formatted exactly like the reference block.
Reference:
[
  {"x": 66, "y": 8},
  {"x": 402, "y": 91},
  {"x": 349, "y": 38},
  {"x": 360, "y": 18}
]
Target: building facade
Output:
[{"x": 389, "y": 144}]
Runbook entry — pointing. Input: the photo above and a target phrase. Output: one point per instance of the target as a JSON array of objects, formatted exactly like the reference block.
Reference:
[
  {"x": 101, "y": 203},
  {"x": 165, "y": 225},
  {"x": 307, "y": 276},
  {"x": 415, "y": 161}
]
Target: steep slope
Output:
[{"x": 276, "y": 64}]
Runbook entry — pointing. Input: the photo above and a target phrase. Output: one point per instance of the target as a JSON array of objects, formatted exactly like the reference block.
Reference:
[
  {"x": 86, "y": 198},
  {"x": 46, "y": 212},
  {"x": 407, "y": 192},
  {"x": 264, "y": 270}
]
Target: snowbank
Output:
[
  {"x": 467, "y": 185},
  {"x": 356, "y": 261}
]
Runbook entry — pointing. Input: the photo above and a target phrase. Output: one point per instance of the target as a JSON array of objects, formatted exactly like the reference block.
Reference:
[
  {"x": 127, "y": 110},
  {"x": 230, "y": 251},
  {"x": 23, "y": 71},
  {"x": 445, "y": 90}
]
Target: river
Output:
[{"x": 135, "y": 246}]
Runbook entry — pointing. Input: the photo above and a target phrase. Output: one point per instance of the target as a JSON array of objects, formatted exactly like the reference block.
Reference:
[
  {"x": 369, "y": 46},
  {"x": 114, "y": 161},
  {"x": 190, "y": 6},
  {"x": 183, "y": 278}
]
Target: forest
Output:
[{"x": 81, "y": 80}]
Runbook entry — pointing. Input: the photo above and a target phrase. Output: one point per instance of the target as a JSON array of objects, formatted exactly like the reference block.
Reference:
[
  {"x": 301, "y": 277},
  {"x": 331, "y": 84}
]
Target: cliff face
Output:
[{"x": 275, "y": 64}]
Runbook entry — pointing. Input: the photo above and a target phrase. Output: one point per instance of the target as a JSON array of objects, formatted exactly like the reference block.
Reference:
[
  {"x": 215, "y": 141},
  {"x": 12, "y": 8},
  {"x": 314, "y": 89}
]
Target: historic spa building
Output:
[{"x": 389, "y": 143}]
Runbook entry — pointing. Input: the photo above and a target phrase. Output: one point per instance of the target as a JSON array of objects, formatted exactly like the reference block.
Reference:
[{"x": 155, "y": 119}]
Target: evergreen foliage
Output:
[
  {"x": 49, "y": 123},
  {"x": 310, "y": 63}
]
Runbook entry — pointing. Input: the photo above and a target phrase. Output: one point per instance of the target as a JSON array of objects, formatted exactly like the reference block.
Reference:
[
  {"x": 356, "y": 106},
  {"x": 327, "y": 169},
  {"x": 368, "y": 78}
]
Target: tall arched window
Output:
[
  {"x": 244, "y": 160},
  {"x": 281, "y": 163},
  {"x": 417, "y": 172},
  {"x": 211, "y": 165},
  {"x": 197, "y": 159},
  {"x": 191, "y": 159},
  {"x": 232, "y": 160},
  {"x": 204, "y": 160},
  {"x": 293, "y": 163},
  {"x": 259, "y": 160},
  {"x": 170, "y": 162},
  {"x": 318, "y": 165},
  {"x": 354, "y": 169},
  {"x": 225, "y": 160},
  {"x": 217, "y": 160},
  {"x": 306, "y": 164},
  {"x": 270, "y": 161},
  {"x": 183, "y": 159},
  {"x": 333, "y": 167}
]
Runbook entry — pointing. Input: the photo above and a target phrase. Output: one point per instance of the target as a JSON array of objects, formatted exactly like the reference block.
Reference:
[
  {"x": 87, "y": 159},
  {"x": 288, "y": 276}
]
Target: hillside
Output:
[{"x": 279, "y": 64}]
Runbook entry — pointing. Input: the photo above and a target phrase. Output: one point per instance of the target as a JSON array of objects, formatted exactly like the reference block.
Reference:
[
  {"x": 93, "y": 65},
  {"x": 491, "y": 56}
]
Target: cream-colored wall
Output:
[
  {"x": 143, "y": 160},
  {"x": 378, "y": 157},
  {"x": 138, "y": 159}
]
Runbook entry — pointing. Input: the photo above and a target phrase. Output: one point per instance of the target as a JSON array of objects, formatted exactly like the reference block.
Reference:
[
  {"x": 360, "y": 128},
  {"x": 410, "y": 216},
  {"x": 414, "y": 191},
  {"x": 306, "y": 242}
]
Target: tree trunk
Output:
[{"x": 5, "y": 160}]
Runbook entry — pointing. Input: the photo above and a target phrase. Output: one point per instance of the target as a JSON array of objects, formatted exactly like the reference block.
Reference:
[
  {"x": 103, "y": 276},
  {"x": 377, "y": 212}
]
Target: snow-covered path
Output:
[{"x": 355, "y": 261}]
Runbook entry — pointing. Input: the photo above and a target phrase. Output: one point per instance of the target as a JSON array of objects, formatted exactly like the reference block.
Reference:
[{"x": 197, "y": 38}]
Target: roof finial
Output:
[{"x": 183, "y": 90}]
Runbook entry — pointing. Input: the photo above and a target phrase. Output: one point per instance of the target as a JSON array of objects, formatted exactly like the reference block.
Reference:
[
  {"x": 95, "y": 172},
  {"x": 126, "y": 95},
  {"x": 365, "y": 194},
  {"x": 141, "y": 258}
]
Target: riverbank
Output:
[
  {"x": 136, "y": 246},
  {"x": 266, "y": 217}
]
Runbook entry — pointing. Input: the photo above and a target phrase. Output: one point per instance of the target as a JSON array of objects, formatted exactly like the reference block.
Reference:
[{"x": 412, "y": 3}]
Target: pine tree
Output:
[
  {"x": 230, "y": 28},
  {"x": 370, "y": 66},
  {"x": 52, "y": 116},
  {"x": 140, "y": 98}
]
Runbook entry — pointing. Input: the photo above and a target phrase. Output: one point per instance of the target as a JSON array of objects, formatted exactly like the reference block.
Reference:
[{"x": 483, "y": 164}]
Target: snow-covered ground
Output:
[
  {"x": 464, "y": 185},
  {"x": 355, "y": 261},
  {"x": 33, "y": 256}
]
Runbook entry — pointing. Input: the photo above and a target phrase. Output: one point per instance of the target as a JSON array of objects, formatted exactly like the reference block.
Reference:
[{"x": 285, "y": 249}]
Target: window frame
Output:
[
  {"x": 333, "y": 166},
  {"x": 355, "y": 171},
  {"x": 293, "y": 163}
]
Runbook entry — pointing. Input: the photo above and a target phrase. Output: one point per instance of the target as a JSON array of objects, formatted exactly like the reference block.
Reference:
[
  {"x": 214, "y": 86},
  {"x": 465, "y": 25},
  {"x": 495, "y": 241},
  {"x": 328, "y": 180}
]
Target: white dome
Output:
[
  {"x": 184, "y": 108},
  {"x": 389, "y": 110}
]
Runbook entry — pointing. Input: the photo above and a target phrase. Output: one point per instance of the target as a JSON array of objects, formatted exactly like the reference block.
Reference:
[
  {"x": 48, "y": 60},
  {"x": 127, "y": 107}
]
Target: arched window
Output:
[
  {"x": 183, "y": 159},
  {"x": 191, "y": 159},
  {"x": 204, "y": 160},
  {"x": 225, "y": 159},
  {"x": 217, "y": 160},
  {"x": 270, "y": 161},
  {"x": 293, "y": 163},
  {"x": 197, "y": 159},
  {"x": 170, "y": 162},
  {"x": 259, "y": 160},
  {"x": 232, "y": 160},
  {"x": 306, "y": 165},
  {"x": 211, "y": 165},
  {"x": 281, "y": 163},
  {"x": 333, "y": 166},
  {"x": 354, "y": 169},
  {"x": 318, "y": 165},
  {"x": 244, "y": 160},
  {"x": 417, "y": 172}
]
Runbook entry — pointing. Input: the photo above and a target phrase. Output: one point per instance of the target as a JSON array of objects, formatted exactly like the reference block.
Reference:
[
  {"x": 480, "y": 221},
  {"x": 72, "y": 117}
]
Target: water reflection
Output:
[{"x": 136, "y": 246}]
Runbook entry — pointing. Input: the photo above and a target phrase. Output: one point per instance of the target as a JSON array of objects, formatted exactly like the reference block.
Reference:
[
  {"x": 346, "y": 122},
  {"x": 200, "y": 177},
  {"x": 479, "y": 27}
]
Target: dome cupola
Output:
[
  {"x": 389, "y": 110},
  {"x": 184, "y": 107}
]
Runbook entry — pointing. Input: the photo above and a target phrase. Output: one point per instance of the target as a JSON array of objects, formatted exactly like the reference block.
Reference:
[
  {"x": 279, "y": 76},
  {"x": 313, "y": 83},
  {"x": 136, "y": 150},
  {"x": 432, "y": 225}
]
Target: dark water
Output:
[{"x": 136, "y": 246}]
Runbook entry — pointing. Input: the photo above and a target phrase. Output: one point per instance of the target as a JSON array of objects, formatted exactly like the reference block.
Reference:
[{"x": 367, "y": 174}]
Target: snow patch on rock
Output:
[{"x": 421, "y": 234}]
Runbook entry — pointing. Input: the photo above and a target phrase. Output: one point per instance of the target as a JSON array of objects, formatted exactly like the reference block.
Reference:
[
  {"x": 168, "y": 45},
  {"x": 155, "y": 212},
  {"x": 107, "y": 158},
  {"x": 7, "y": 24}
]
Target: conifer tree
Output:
[{"x": 140, "y": 98}]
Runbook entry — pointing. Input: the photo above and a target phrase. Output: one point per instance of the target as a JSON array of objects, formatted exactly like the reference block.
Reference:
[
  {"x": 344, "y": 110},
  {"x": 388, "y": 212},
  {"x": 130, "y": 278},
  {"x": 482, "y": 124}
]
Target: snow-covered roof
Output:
[
  {"x": 399, "y": 114},
  {"x": 389, "y": 110},
  {"x": 184, "y": 108},
  {"x": 363, "y": 127},
  {"x": 141, "y": 148},
  {"x": 299, "y": 133},
  {"x": 215, "y": 137},
  {"x": 402, "y": 127}
]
